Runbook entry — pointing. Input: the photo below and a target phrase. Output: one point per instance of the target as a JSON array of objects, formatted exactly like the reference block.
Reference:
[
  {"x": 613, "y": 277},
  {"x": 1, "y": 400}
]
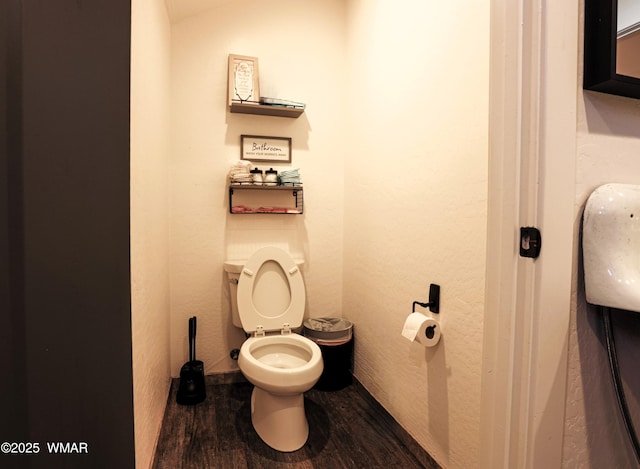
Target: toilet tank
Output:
[{"x": 233, "y": 268}]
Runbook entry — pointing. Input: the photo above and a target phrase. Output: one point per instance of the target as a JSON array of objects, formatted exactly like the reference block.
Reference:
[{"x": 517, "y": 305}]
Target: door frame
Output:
[{"x": 533, "y": 106}]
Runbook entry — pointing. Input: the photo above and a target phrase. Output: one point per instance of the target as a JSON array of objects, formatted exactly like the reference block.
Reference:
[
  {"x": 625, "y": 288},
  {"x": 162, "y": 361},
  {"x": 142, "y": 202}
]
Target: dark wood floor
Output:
[{"x": 347, "y": 429}]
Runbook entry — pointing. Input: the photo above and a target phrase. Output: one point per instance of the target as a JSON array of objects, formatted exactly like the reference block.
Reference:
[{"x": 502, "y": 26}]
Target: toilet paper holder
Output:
[{"x": 434, "y": 300}]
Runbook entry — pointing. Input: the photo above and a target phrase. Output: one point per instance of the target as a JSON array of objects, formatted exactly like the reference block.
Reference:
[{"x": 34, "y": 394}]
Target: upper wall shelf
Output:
[
  {"x": 265, "y": 110},
  {"x": 244, "y": 91}
]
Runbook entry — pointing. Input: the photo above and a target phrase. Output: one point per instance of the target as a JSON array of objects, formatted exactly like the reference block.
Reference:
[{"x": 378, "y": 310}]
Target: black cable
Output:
[{"x": 617, "y": 382}]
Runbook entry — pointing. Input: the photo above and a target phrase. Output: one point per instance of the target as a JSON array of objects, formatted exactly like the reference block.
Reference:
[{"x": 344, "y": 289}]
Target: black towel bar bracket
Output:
[{"x": 434, "y": 300}]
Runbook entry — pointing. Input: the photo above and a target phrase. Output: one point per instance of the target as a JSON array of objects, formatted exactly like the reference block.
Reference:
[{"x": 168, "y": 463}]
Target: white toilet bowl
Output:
[
  {"x": 280, "y": 364},
  {"x": 282, "y": 368}
]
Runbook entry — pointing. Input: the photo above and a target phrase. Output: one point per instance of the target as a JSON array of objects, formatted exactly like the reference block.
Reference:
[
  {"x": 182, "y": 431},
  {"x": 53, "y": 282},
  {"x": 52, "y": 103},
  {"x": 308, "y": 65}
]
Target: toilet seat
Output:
[{"x": 272, "y": 279}]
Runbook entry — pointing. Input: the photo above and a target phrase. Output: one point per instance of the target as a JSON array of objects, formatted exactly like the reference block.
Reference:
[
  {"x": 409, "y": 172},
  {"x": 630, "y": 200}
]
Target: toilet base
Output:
[{"x": 280, "y": 421}]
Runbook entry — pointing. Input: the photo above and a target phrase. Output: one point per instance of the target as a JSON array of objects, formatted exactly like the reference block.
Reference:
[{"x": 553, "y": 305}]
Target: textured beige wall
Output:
[
  {"x": 149, "y": 221},
  {"x": 300, "y": 47},
  {"x": 415, "y": 211},
  {"x": 608, "y": 148}
]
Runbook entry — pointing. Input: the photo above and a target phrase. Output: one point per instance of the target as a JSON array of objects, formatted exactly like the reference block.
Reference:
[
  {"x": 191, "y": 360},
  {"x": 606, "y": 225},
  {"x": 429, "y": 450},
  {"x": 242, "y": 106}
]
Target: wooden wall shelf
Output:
[{"x": 266, "y": 110}]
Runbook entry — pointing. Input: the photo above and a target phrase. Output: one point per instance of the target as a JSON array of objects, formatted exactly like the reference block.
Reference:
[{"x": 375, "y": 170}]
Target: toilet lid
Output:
[{"x": 270, "y": 291}]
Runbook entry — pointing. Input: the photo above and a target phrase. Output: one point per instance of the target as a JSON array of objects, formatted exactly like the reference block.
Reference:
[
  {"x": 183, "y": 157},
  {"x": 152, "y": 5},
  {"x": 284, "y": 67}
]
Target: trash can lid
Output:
[{"x": 328, "y": 328}]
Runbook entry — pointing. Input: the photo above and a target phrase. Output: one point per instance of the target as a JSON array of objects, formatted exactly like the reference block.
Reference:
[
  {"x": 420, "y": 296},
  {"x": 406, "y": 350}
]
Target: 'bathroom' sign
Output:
[{"x": 257, "y": 148}]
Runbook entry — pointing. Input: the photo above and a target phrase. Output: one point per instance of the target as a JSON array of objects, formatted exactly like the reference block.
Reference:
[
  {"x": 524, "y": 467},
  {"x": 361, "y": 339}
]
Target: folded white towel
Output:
[{"x": 240, "y": 172}]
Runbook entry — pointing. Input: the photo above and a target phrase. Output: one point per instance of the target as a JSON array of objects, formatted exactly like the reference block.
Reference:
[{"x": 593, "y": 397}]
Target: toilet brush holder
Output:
[{"x": 192, "y": 388}]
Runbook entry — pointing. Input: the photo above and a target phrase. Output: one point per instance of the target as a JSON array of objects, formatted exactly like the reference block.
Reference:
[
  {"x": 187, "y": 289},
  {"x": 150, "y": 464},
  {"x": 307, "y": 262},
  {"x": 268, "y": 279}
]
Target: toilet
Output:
[{"x": 268, "y": 302}]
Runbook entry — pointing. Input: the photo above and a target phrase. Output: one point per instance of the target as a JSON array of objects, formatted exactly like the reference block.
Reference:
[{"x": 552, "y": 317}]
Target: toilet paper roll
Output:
[{"x": 422, "y": 329}]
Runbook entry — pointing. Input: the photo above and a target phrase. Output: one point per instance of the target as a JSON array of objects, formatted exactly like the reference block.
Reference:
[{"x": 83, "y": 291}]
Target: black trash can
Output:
[{"x": 334, "y": 336}]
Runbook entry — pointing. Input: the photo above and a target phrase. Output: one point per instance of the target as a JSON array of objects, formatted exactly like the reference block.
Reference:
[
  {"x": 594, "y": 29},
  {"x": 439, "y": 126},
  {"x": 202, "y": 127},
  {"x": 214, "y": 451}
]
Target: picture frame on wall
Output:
[
  {"x": 261, "y": 148},
  {"x": 243, "y": 83}
]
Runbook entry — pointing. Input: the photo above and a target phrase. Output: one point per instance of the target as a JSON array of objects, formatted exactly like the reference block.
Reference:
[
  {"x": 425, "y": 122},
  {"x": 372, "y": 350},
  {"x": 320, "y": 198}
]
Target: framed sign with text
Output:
[
  {"x": 243, "y": 83},
  {"x": 258, "y": 148}
]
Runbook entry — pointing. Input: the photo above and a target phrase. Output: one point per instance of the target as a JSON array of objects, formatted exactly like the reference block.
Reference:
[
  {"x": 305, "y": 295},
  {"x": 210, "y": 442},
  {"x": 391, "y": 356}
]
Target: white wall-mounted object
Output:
[{"x": 611, "y": 246}]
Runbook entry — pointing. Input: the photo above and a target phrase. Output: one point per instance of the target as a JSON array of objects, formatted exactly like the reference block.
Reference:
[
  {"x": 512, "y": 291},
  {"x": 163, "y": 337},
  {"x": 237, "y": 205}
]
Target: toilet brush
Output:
[{"x": 191, "y": 389}]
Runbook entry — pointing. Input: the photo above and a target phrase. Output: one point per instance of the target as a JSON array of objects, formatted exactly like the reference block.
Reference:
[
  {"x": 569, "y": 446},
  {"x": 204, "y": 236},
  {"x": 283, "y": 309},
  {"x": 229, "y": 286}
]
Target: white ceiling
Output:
[{"x": 180, "y": 9}]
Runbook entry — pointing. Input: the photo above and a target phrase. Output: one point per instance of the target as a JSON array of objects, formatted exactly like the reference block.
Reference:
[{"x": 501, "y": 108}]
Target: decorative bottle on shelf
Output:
[
  {"x": 256, "y": 175},
  {"x": 271, "y": 177}
]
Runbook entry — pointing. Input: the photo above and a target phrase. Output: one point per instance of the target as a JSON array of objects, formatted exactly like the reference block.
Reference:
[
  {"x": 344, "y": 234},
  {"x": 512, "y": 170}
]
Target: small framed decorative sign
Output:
[
  {"x": 257, "y": 148},
  {"x": 243, "y": 84}
]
